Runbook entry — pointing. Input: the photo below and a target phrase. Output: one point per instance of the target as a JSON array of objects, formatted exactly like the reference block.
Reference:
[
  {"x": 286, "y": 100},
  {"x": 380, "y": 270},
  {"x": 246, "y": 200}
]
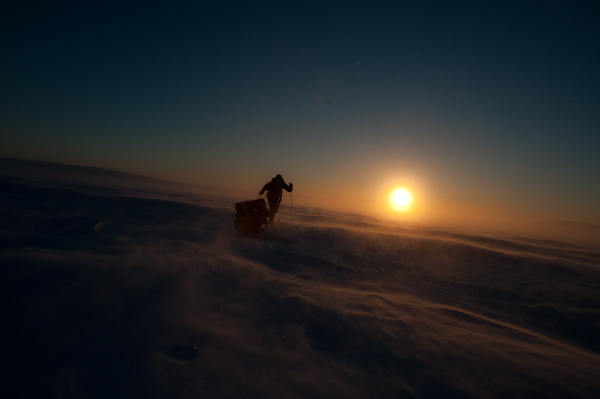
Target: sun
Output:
[{"x": 401, "y": 199}]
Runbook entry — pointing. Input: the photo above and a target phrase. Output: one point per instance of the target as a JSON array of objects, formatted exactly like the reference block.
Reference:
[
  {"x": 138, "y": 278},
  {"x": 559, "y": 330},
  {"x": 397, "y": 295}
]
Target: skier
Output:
[{"x": 274, "y": 191}]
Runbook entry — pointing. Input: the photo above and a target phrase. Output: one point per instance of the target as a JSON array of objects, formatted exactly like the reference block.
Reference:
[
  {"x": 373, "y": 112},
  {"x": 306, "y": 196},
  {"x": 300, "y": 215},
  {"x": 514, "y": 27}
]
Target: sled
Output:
[{"x": 251, "y": 216}]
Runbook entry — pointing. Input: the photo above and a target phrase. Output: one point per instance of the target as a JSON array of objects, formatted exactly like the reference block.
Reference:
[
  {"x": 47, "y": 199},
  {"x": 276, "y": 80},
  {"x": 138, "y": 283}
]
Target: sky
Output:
[{"x": 484, "y": 110}]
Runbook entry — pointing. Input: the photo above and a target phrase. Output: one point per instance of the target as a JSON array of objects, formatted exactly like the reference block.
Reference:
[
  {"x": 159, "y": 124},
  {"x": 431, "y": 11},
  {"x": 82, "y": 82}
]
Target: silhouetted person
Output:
[{"x": 274, "y": 190}]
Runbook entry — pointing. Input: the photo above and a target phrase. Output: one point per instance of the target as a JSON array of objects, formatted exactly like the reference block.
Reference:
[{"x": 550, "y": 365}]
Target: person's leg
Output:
[
  {"x": 273, "y": 206},
  {"x": 277, "y": 204}
]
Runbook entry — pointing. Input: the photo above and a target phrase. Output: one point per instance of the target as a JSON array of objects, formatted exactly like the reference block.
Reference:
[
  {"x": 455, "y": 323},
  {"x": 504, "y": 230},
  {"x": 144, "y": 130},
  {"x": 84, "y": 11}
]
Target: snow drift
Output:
[{"x": 110, "y": 291}]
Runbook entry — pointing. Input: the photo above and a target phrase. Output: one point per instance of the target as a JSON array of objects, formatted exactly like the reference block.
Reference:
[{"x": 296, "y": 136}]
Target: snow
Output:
[{"x": 115, "y": 290}]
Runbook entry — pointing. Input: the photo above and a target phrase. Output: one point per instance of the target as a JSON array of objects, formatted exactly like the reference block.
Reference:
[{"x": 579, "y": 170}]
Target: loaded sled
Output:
[{"x": 251, "y": 216}]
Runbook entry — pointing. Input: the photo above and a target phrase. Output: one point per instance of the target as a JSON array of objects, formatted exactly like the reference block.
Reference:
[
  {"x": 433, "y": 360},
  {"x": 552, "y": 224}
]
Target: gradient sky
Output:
[{"x": 483, "y": 109}]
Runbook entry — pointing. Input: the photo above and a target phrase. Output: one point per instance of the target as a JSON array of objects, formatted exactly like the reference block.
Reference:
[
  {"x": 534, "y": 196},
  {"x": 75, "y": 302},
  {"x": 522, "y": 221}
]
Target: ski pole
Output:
[{"x": 292, "y": 203}]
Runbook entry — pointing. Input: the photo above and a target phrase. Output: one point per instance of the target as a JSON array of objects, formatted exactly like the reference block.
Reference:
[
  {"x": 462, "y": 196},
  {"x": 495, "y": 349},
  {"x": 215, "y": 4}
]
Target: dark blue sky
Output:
[{"x": 481, "y": 108}]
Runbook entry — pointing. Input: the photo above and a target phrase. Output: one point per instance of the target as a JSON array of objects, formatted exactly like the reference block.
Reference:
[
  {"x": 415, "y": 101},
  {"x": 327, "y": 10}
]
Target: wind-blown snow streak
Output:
[{"x": 114, "y": 293}]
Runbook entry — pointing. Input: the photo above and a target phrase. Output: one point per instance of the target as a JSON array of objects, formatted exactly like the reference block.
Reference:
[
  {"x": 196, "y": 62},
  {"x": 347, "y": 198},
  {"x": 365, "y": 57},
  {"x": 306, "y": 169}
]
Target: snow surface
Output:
[{"x": 110, "y": 291}]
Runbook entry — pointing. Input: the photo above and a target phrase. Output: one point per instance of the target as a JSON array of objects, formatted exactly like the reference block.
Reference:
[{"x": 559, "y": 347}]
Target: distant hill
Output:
[
  {"x": 569, "y": 224},
  {"x": 49, "y": 172},
  {"x": 563, "y": 230}
]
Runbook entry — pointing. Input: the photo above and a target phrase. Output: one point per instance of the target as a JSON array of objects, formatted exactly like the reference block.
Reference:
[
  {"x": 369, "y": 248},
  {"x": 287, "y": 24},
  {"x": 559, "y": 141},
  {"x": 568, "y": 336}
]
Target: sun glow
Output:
[{"x": 401, "y": 199}]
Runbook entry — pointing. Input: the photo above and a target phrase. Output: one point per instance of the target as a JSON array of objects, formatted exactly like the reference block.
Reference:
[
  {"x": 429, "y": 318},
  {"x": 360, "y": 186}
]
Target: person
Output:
[{"x": 274, "y": 190}]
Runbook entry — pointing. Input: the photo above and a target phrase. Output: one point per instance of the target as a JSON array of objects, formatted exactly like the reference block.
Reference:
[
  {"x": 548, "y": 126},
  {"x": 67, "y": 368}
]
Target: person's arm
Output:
[
  {"x": 265, "y": 188},
  {"x": 289, "y": 187}
]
